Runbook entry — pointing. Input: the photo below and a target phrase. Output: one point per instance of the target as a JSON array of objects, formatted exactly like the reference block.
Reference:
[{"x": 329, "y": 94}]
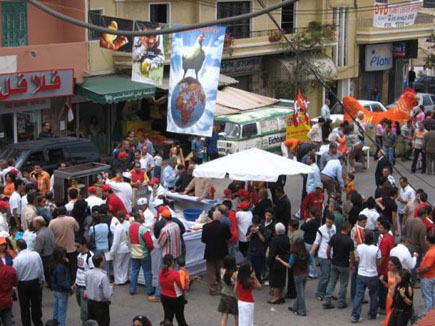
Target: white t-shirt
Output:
[
  {"x": 372, "y": 218},
  {"x": 368, "y": 256},
  {"x": 93, "y": 200},
  {"x": 323, "y": 236},
  {"x": 4, "y": 227},
  {"x": 15, "y": 202},
  {"x": 402, "y": 252},
  {"x": 146, "y": 162},
  {"x": 24, "y": 202},
  {"x": 407, "y": 194},
  {"x": 244, "y": 220},
  {"x": 84, "y": 263}
]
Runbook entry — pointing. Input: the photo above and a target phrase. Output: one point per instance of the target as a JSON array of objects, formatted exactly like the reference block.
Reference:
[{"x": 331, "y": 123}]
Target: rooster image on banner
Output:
[{"x": 193, "y": 81}]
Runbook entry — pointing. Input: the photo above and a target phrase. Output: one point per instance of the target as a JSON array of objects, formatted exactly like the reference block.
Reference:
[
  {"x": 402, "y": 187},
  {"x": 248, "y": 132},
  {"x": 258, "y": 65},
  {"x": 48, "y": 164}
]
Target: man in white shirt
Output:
[
  {"x": 146, "y": 162},
  {"x": 244, "y": 221},
  {"x": 323, "y": 236},
  {"x": 15, "y": 201},
  {"x": 332, "y": 176},
  {"x": 402, "y": 252},
  {"x": 93, "y": 199},
  {"x": 84, "y": 264},
  {"x": 369, "y": 257},
  {"x": 326, "y": 114},
  {"x": 124, "y": 191},
  {"x": 406, "y": 195},
  {"x": 315, "y": 133},
  {"x": 372, "y": 215},
  {"x": 73, "y": 195},
  {"x": 4, "y": 225},
  {"x": 149, "y": 218}
]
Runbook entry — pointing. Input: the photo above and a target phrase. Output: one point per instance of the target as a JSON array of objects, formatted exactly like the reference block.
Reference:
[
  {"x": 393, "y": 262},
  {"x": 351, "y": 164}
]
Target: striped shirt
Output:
[{"x": 170, "y": 239}]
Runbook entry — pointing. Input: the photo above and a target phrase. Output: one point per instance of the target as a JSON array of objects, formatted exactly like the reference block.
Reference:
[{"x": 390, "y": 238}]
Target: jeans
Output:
[
  {"x": 136, "y": 264},
  {"x": 353, "y": 282},
  {"x": 157, "y": 171},
  {"x": 312, "y": 271},
  {"x": 428, "y": 293},
  {"x": 324, "y": 277},
  {"x": 82, "y": 302},
  {"x": 382, "y": 294},
  {"x": 390, "y": 153},
  {"x": 341, "y": 274},
  {"x": 257, "y": 263},
  {"x": 414, "y": 276},
  {"x": 363, "y": 282},
  {"x": 299, "y": 303},
  {"x": 60, "y": 307},
  {"x": 6, "y": 317}
]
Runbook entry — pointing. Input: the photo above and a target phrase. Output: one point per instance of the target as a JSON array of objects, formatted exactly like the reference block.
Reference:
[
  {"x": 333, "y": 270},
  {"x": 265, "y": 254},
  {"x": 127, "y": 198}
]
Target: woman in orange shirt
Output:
[
  {"x": 10, "y": 184},
  {"x": 394, "y": 267}
]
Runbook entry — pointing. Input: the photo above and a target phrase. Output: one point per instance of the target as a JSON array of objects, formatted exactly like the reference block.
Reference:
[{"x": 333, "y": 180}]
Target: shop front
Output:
[
  {"x": 23, "y": 98},
  {"x": 247, "y": 71}
]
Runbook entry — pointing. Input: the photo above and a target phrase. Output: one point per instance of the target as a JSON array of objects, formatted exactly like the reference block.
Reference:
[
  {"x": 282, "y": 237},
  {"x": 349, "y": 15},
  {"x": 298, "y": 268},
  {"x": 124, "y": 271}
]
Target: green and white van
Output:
[{"x": 263, "y": 128}]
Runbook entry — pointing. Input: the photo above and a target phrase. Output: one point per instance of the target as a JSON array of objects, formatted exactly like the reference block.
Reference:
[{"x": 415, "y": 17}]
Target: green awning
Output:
[{"x": 114, "y": 89}]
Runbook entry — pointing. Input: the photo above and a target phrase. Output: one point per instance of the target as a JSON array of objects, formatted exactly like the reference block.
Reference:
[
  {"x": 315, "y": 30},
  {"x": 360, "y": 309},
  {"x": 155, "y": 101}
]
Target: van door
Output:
[{"x": 250, "y": 137}]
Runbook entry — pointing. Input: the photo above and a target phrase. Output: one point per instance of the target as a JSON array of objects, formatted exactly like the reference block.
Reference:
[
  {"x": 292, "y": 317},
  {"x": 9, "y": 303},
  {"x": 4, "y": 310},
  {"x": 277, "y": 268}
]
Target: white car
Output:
[
  {"x": 337, "y": 111},
  {"x": 425, "y": 99}
]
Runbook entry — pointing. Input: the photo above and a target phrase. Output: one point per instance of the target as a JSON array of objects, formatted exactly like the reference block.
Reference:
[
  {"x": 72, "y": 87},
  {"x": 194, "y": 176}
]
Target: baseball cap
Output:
[
  {"x": 92, "y": 190},
  {"x": 142, "y": 201},
  {"x": 153, "y": 181},
  {"x": 4, "y": 204},
  {"x": 106, "y": 187}
]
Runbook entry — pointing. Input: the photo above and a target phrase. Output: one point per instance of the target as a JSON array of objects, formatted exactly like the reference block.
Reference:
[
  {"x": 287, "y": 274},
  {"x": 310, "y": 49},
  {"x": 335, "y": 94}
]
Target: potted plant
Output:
[{"x": 275, "y": 35}]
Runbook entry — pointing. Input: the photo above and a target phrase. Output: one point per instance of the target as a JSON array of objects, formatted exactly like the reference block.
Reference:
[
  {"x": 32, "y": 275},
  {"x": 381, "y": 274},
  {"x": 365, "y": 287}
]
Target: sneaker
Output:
[
  {"x": 355, "y": 320},
  {"x": 328, "y": 305},
  {"x": 342, "y": 305},
  {"x": 152, "y": 298}
]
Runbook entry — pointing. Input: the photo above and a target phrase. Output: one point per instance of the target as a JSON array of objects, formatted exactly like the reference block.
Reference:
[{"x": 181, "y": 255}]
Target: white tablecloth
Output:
[{"x": 185, "y": 202}]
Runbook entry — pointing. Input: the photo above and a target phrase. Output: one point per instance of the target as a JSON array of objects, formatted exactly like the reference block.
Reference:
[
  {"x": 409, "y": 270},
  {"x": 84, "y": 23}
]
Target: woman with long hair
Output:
[
  {"x": 9, "y": 187},
  {"x": 402, "y": 300},
  {"x": 141, "y": 320},
  {"x": 172, "y": 296},
  {"x": 246, "y": 283},
  {"x": 228, "y": 302},
  {"x": 60, "y": 285},
  {"x": 394, "y": 267},
  {"x": 299, "y": 260}
]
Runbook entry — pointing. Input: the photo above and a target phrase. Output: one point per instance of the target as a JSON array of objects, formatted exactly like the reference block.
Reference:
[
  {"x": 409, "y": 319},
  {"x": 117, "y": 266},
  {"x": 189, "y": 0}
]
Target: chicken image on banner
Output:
[
  {"x": 194, "y": 76},
  {"x": 111, "y": 41},
  {"x": 148, "y": 56}
]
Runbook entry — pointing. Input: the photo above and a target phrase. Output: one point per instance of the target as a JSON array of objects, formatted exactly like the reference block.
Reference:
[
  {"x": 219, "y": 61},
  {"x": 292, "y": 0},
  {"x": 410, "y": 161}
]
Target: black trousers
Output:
[
  {"x": 174, "y": 306},
  {"x": 30, "y": 298},
  {"x": 46, "y": 263},
  {"x": 72, "y": 264},
  {"x": 99, "y": 311},
  {"x": 212, "y": 157}
]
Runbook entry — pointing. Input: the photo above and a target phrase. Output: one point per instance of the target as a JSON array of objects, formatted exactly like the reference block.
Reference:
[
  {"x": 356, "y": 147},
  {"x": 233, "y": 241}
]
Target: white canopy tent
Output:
[{"x": 251, "y": 165}]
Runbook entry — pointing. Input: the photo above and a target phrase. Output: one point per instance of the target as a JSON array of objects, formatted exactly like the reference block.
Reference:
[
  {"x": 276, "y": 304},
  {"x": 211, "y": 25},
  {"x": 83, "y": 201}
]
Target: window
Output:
[
  {"x": 34, "y": 158},
  {"x": 159, "y": 13},
  {"x": 239, "y": 29},
  {"x": 377, "y": 108},
  {"x": 426, "y": 100},
  {"x": 55, "y": 156},
  {"x": 14, "y": 23},
  {"x": 340, "y": 18},
  {"x": 249, "y": 130},
  {"x": 94, "y": 18},
  {"x": 288, "y": 18}
]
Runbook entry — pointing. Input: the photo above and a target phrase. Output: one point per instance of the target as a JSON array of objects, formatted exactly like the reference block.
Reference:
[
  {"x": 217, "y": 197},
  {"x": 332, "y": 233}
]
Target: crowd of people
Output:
[{"x": 101, "y": 237}]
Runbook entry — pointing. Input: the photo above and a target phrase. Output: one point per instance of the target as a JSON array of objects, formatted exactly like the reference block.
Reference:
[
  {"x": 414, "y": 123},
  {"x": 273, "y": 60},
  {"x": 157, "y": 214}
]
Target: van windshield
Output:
[
  {"x": 11, "y": 153},
  {"x": 232, "y": 130}
]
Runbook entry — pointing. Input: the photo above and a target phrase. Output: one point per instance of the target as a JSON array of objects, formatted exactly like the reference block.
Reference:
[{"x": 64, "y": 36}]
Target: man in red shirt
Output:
[
  {"x": 423, "y": 200},
  {"x": 8, "y": 277},
  {"x": 386, "y": 243},
  {"x": 138, "y": 176},
  {"x": 113, "y": 201},
  {"x": 313, "y": 199},
  {"x": 226, "y": 210},
  {"x": 428, "y": 223}
]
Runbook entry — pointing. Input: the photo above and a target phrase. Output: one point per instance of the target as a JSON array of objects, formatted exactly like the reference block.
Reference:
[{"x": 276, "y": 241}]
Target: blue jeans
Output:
[
  {"x": 363, "y": 282},
  {"x": 428, "y": 293},
  {"x": 390, "y": 153},
  {"x": 157, "y": 171},
  {"x": 312, "y": 271},
  {"x": 136, "y": 264},
  {"x": 60, "y": 307},
  {"x": 337, "y": 274},
  {"x": 299, "y": 303},
  {"x": 324, "y": 277}
]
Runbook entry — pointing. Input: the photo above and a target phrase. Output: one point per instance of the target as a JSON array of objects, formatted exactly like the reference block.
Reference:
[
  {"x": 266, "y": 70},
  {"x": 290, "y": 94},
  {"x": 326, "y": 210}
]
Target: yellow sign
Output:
[{"x": 297, "y": 126}]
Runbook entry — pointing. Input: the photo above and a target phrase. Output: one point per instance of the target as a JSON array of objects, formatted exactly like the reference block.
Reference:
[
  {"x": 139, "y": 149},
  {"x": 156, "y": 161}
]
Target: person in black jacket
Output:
[
  {"x": 382, "y": 162},
  {"x": 60, "y": 285},
  {"x": 263, "y": 204},
  {"x": 215, "y": 235},
  {"x": 310, "y": 228},
  {"x": 282, "y": 207}
]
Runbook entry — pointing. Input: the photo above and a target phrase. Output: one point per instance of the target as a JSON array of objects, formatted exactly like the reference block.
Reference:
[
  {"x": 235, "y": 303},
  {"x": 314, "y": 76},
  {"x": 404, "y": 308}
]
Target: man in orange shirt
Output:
[
  {"x": 290, "y": 144},
  {"x": 427, "y": 273},
  {"x": 42, "y": 179}
]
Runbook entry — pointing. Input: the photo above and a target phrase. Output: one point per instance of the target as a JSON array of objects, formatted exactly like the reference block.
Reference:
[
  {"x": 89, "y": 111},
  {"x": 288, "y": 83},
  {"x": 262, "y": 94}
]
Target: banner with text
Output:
[
  {"x": 194, "y": 75},
  {"x": 395, "y": 15}
]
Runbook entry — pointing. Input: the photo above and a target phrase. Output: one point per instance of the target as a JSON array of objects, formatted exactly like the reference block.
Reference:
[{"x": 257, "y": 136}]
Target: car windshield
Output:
[
  {"x": 336, "y": 109},
  {"x": 232, "y": 130}
]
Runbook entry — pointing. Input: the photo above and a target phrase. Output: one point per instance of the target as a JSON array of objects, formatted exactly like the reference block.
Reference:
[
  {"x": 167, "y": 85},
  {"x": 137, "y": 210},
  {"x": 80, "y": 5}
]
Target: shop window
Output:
[
  {"x": 56, "y": 156},
  {"x": 288, "y": 18},
  {"x": 340, "y": 19},
  {"x": 249, "y": 130},
  {"x": 159, "y": 13},
  {"x": 241, "y": 28},
  {"x": 14, "y": 23},
  {"x": 94, "y": 17}
]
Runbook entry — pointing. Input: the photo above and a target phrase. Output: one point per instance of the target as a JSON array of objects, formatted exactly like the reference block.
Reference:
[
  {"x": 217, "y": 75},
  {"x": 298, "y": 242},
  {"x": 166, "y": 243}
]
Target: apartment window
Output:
[
  {"x": 241, "y": 28},
  {"x": 159, "y": 13},
  {"x": 288, "y": 18},
  {"x": 94, "y": 18},
  {"x": 14, "y": 23},
  {"x": 341, "y": 21}
]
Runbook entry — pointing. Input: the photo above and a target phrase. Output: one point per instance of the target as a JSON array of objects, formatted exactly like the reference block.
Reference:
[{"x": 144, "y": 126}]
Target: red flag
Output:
[{"x": 301, "y": 102}]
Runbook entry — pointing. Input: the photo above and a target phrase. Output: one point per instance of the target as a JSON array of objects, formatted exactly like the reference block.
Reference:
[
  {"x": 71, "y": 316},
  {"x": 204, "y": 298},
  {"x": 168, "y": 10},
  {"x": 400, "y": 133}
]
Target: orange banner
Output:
[{"x": 399, "y": 113}]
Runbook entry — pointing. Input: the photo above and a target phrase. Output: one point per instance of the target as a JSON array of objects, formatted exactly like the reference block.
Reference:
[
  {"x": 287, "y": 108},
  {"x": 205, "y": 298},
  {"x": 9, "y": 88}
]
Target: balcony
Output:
[
  {"x": 51, "y": 56},
  {"x": 367, "y": 34}
]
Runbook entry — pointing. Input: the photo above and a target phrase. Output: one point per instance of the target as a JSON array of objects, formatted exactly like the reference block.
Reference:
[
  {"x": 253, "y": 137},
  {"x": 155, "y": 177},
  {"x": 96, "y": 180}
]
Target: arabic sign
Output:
[
  {"x": 379, "y": 57},
  {"x": 23, "y": 86},
  {"x": 31, "y": 105},
  {"x": 241, "y": 66},
  {"x": 395, "y": 15}
]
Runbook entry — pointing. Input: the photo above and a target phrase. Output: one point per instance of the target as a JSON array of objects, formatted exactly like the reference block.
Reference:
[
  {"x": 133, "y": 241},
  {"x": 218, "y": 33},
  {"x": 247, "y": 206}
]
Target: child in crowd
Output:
[
  {"x": 158, "y": 158},
  {"x": 349, "y": 184},
  {"x": 246, "y": 283},
  {"x": 228, "y": 302},
  {"x": 184, "y": 274}
]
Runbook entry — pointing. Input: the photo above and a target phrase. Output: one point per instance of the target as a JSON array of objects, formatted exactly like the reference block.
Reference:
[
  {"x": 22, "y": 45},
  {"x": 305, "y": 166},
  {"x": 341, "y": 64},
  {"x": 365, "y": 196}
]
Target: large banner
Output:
[
  {"x": 148, "y": 56},
  {"x": 395, "y": 15},
  {"x": 298, "y": 124},
  {"x": 112, "y": 41},
  {"x": 194, "y": 76}
]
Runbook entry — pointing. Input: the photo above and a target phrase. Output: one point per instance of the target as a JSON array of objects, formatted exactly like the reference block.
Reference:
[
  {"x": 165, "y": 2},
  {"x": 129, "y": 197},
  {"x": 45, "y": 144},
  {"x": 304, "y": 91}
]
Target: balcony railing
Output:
[{"x": 421, "y": 19}]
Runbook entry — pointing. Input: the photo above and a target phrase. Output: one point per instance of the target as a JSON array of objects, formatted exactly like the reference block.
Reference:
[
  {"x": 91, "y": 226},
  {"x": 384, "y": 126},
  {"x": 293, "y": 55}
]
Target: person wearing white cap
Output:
[{"x": 149, "y": 218}]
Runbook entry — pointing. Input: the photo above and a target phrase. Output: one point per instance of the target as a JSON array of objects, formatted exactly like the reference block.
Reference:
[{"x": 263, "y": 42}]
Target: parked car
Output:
[
  {"x": 50, "y": 152},
  {"x": 337, "y": 111},
  {"x": 425, "y": 99},
  {"x": 425, "y": 84}
]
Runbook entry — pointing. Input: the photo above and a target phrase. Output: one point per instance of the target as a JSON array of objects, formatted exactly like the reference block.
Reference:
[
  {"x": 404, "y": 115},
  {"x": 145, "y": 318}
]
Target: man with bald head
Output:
[
  {"x": 44, "y": 245},
  {"x": 215, "y": 235}
]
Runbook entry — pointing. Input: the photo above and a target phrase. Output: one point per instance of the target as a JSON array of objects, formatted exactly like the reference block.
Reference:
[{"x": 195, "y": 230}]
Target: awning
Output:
[
  {"x": 224, "y": 80},
  {"x": 114, "y": 89}
]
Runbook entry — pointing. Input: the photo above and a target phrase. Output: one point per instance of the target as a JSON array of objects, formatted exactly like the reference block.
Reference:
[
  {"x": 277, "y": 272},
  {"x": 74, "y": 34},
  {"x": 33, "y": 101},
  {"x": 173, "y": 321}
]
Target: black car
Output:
[
  {"x": 50, "y": 152},
  {"x": 425, "y": 84}
]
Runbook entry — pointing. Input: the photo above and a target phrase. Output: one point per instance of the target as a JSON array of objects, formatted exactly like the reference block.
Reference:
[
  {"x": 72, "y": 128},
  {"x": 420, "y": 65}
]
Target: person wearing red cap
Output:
[
  {"x": 93, "y": 199},
  {"x": 244, "y": 221},
  {"x": 113, "y": 201},
  {"x": 9, "y": 279}
]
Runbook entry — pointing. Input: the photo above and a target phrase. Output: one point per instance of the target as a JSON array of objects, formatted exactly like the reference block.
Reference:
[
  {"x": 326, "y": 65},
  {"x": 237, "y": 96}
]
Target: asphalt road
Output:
[{"x": 202, "y": 308}]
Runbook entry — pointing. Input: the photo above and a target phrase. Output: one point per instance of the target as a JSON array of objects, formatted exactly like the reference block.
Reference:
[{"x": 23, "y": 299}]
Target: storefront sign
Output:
[
  {"x": 241, "y": 66},
  {"x": 32, "y": 105},
  {"x": 23, "y": 86},
  {"x": 379, "y": 57},
  {"x": 399, "y": 49},
  {"x": 395, "y": 15}
]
